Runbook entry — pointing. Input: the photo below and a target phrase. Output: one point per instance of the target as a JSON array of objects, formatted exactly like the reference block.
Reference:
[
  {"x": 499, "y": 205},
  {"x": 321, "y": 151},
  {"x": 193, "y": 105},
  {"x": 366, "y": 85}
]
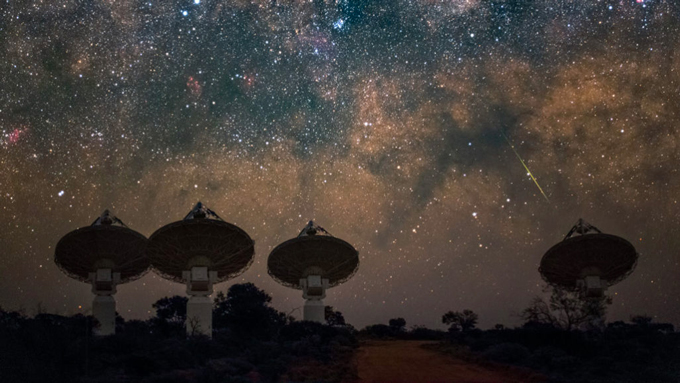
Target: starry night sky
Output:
[{"x": 388, "y": 122}]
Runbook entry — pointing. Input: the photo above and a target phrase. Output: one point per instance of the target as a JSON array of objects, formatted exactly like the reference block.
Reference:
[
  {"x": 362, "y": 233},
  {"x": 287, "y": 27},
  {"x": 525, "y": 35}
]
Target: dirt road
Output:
[{"x": 406, "y": 361}]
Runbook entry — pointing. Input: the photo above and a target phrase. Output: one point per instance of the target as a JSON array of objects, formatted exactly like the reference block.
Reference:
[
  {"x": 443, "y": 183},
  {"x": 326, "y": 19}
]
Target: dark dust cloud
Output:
[{"x": 382, "y": 120}]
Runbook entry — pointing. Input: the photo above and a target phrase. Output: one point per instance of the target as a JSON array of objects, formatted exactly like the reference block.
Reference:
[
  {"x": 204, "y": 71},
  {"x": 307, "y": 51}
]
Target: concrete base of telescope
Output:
[
  {"x": 314, "y": 311},
  {"x": 199, "y": 316},
  {"x": 104, "y": 310}
]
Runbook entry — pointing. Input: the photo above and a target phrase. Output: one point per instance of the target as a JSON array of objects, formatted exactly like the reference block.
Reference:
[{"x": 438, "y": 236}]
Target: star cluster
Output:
[{"x": 391, "y": 123}]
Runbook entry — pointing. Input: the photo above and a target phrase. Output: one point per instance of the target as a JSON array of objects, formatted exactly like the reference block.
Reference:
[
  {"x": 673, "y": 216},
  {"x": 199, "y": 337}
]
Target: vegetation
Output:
[
  {"x": 567, "y": 340},
  {"x": 567, "y": 310},
  {"x": 620, "y": 352},
  {"x": 333, "y": 318},
  {"x": 397, "y": 330},
  {"x": 245, "y": 313},
  {"x": 252, "y": 342},
  {"x": 460, "y": 321},
  {"x": 397, "y": 324}
]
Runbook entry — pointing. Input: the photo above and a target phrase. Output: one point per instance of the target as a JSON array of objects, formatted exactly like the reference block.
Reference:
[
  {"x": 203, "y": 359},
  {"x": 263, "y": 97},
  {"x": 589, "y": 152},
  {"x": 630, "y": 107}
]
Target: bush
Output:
[
  {"x": 424, "y": 333},
  {"x": 566, "y": 362},
  {"x": 544, "y": 356},
  {"x": 378, "y": 331},
  {"x": 247, "y": 312},
  {"x": 63, "y": 349},
  {"x": 397, "y": 324},
  {"x": 507, "y": 353}
]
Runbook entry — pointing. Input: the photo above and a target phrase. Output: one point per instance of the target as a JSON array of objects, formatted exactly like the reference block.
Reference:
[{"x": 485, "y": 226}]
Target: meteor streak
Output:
[{"x": 525, "y": 166}]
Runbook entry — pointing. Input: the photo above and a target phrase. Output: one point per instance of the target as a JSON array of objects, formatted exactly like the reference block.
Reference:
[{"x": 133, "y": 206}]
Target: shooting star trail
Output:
[{"x": 525, "y": 167}]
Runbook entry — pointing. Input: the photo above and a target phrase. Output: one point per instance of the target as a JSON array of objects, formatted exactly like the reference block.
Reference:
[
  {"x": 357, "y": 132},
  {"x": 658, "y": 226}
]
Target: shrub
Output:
[
  {"x": 397, "y": 324},
  {"x": 379, "y": 331},
  {"x": 507, "y": 353},
  {"x": 460, "y": 321},
  {"x": 424, "y": 333}
]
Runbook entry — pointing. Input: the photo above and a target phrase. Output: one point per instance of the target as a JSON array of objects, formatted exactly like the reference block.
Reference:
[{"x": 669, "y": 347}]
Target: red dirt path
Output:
[{"x": 406, "y": 361}]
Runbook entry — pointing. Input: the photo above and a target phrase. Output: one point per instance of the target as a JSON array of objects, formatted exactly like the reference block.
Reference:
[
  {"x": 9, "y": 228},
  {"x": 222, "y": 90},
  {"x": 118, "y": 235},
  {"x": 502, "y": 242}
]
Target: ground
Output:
[{"x": 407, "y": 361}]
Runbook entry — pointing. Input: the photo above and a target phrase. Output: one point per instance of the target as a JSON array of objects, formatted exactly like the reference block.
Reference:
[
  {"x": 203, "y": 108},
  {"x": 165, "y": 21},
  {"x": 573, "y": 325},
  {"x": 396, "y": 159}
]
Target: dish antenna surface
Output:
[
  {"x": 313, "y": 262},
  {"x": 104, "y": 254},
  {"x": 199, "y": 251},
  {"x": 588, "y": 260}
]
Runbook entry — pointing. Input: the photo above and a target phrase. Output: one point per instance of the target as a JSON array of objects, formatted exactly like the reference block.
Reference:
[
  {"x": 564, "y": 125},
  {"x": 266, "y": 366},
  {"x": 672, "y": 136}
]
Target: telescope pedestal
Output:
[
  {"x": 314, "y": 311},
  {"x": 104, "y": 310},
  {"x": 314, "y": 291},
  {"x": 199, "y": 307},
  {"x": 104, "y": 282},
  {"x": 593, "y": 286},
  {"x": 199, "y": 315}
]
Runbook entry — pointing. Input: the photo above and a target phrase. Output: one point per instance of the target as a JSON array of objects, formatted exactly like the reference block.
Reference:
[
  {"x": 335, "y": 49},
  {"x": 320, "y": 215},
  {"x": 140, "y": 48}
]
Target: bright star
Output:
[{"x": 338, "y": 24}]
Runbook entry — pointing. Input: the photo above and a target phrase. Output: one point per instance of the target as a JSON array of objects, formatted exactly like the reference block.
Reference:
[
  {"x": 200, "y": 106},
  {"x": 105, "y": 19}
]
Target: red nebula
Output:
[
  {"x": 194, "y": 86},
  {"x": 14, "y": 136}
]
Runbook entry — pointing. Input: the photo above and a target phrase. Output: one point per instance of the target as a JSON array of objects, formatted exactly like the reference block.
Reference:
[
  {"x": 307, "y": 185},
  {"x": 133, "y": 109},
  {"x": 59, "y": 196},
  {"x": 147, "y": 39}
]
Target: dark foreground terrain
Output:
[
  {"x": 402, "y": 361},
  {"x": 253, "y": 342},
  {"x": 639, "y": 351}
]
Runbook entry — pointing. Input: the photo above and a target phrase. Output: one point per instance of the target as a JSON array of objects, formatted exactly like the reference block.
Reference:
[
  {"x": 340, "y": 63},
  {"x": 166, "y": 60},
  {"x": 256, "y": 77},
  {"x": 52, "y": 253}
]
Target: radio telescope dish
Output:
[
  {"x": 588, "y": 260},
  {"x": 105, "y": 254},
  {"x": 202, "y": 238},
  {"x": 107, "y": 242},
  {"x": 200, "y": 250},
  {"x": 313, "y": 262}
]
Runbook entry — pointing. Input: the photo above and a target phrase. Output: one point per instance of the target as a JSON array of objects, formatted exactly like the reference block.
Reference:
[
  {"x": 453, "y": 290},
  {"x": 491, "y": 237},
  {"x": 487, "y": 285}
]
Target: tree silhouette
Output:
[
  {"x": 246, "y": 311},
  {"x": 171, "y": 309},
  {"x": 171, "y": 313},
  {"x": 645, "y": 322},
  {"x": 397, "y": 324},
  {"x": 641, "y": 320},
  {"x": 567, "y": 310},
  {"x": 460, "y": 321},
  {"x": 333, "y": 318}
]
